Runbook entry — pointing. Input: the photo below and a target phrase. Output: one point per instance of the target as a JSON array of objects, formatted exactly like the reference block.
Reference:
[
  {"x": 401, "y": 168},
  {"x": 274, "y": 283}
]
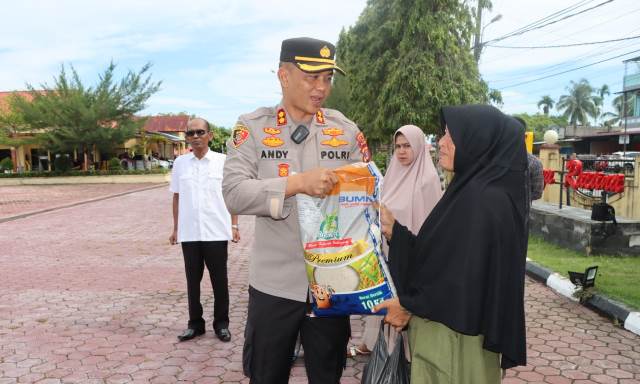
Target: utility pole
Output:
[
  {"x": 477, "y": 43},
  {"x": 479, "y": 28}
]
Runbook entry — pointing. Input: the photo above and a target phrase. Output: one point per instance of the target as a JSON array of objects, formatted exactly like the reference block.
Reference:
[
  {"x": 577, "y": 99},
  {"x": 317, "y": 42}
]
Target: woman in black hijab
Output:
[{"x": 460, "y": 281}]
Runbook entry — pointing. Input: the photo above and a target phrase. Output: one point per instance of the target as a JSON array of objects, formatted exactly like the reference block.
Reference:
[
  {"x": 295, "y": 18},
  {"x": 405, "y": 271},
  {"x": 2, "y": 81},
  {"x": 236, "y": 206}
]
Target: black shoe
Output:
[
  {"x": 190, "y": 333},
  {"x": 223, "y": 334}
]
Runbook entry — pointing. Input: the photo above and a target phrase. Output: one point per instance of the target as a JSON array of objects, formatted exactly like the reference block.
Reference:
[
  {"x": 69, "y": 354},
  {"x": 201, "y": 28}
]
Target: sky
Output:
[
  {"x": 504, "y": 68},
  {"x": 217, "y": 58}
]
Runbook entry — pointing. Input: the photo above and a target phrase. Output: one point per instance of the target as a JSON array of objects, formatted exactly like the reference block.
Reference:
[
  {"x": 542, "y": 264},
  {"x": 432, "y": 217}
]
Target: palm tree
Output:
[
  {"x": 547, "y": 103},
  {"x": 603, "y": 91},
  {"x": 616, "y": 118},
  {"x": 578, "y": 105},
  {"x": 598, "y": 99}
]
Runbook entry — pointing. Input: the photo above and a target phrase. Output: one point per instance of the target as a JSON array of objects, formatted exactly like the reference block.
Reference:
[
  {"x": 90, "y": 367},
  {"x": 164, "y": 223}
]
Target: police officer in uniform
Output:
[{"x": 275, "y": 153}]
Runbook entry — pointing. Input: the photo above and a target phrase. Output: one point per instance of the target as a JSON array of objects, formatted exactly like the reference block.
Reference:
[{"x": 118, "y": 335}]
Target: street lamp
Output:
[
  {"x": 550, "y": 137},
  {"x": 479, "y": 45},
  {"x": 496, "y": 18}
]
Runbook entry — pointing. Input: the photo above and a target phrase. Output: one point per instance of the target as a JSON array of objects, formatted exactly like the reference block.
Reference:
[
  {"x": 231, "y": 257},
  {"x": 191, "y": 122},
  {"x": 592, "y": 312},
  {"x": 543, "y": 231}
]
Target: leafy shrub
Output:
[
  {"x": 381, "y": 158},
  {"x": 114, "y": 164},
  {"x": 6, "y": 164}
]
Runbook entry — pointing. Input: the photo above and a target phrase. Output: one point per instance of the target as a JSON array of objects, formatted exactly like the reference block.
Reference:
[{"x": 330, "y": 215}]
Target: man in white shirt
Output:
[{"x": 203, "y": 225}]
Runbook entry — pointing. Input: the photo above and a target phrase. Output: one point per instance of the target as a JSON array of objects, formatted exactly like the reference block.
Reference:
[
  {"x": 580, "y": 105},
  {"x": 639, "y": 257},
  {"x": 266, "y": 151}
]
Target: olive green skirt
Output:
[{"x": 440, "y": 355}]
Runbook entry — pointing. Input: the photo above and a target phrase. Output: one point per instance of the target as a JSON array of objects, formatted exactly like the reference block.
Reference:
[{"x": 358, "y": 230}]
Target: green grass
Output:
[{"x": 618, "y": 277}]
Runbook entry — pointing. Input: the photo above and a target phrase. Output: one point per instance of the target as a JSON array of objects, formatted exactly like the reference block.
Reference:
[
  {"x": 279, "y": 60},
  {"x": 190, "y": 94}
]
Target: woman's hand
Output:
[
  {"x": 397, "y": 316},
  {"x": 386, "y": 221}
]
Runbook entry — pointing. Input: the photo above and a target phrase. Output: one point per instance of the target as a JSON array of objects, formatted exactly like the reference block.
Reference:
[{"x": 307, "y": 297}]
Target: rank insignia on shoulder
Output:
[
  {"x": 240, "y": 134},
  {"x": 283, "y": 170},
  {"x": 281, "y": 117},
  {"x": 320, "y": 117}
]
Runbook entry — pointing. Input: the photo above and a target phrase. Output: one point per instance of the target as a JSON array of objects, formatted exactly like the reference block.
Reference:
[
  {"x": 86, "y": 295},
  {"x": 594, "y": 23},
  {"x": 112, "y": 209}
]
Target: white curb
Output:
[
  {"x": 566, "y": 288},
  {"x": 562, "y": 285},
  {"x": 632, "y": 323}
]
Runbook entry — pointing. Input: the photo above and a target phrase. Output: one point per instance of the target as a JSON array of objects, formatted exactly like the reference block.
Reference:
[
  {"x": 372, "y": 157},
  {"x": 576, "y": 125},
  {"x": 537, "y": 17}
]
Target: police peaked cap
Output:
[{"x": 310, "y": 55}]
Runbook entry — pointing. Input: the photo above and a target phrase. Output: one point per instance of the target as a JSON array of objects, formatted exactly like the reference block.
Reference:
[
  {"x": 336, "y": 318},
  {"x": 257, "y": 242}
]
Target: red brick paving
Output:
[
  {"x": 94, "y": 294},
  {"x": 16, "y": 200}
]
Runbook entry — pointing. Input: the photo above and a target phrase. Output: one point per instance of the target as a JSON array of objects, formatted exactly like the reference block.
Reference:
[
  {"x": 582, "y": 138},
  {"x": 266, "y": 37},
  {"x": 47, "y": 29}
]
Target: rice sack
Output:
[{"x": 342, "y": 244}]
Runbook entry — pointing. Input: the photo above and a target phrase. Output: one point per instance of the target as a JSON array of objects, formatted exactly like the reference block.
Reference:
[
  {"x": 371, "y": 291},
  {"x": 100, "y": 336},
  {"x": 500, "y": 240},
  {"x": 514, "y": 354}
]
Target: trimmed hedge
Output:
[{"x": 158, "y": 171}]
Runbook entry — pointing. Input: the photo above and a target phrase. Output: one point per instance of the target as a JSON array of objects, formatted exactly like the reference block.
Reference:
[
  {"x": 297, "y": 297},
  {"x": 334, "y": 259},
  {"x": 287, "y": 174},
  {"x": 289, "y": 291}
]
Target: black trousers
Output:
[
  {"x": 273, "y": 325},
  {"x": 214, "y": 255}
]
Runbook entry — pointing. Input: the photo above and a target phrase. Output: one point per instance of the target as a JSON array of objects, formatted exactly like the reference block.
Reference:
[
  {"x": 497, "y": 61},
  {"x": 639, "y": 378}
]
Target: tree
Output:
[
  {"x": 603, "y": 91},
  {"x": 76, "y": 117},
  {"x": 616, "y": 118},
  {"x": 547, "y": 103},
  {"x": 598, "y": 99},
  {"x": 220, "y": 137},
  {"x": 11, "y": 125},
  {"x": 495, "y": 97},
  {"x": 539, "y": 123},
  {"x": 339, "y": 97},
  {"x": 404, "y": 63},
  {"x": 578, "y": 105},
  {"x": 14, "y": 132}
]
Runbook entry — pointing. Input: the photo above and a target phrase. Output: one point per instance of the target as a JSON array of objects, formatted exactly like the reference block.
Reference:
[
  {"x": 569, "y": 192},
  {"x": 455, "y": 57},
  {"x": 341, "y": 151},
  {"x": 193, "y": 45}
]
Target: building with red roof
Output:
[{"x": 164, "y": 137}]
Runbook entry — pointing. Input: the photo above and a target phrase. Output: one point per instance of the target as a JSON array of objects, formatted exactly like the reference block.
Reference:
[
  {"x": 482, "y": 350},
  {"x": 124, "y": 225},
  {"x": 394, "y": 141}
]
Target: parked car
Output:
[
  {"x": 613, "y": 163},
  {"x": 631, "y": 154},
  {"x": 624, "y": 160},
  {"x": 160, "y": 163}
]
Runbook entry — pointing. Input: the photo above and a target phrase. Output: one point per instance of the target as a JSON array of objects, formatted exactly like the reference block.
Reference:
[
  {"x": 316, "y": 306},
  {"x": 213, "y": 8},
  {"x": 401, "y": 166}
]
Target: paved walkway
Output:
[
  {"x": 95, "y": 294},
  {"x": 23, "y": 199}
]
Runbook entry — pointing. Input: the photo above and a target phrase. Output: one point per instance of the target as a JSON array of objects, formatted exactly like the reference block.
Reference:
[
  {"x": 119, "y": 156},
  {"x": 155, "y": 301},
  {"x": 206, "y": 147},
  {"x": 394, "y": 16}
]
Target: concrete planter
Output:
[{"x": 573, "y": 228}]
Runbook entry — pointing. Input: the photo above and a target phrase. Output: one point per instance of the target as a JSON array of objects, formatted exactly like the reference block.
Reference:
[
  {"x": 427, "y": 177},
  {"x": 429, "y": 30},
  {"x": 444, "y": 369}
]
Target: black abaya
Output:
[{"x": 465, "y": 268}]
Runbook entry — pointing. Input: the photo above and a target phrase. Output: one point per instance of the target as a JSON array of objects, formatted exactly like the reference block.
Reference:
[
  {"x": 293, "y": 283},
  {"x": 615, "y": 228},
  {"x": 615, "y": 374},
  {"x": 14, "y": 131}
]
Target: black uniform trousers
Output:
[
  {"x": 273, "y": 325},
  {"x": 214, "y": 255}
]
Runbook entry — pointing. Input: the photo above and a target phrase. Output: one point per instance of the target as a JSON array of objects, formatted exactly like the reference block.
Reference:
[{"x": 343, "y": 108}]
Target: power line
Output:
[
  {"x": 574, "y": 61},
  {"x": 616, "y": 18},
  {"x": 565, "y": 45},
  {"x": 568, "y": 70},
  {"x": 594, "y": 53},
  {"x": 551, "y": 16},
  {"x": 525, "y": 30},
  {"x": 546, "y": 18},
  {"x": 560, "y": 87}
]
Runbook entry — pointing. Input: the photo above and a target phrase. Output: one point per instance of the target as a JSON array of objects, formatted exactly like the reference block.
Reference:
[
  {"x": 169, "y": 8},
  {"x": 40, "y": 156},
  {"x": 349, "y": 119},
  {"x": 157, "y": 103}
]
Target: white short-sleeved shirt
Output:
[{"x": 202, "y": 213}]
